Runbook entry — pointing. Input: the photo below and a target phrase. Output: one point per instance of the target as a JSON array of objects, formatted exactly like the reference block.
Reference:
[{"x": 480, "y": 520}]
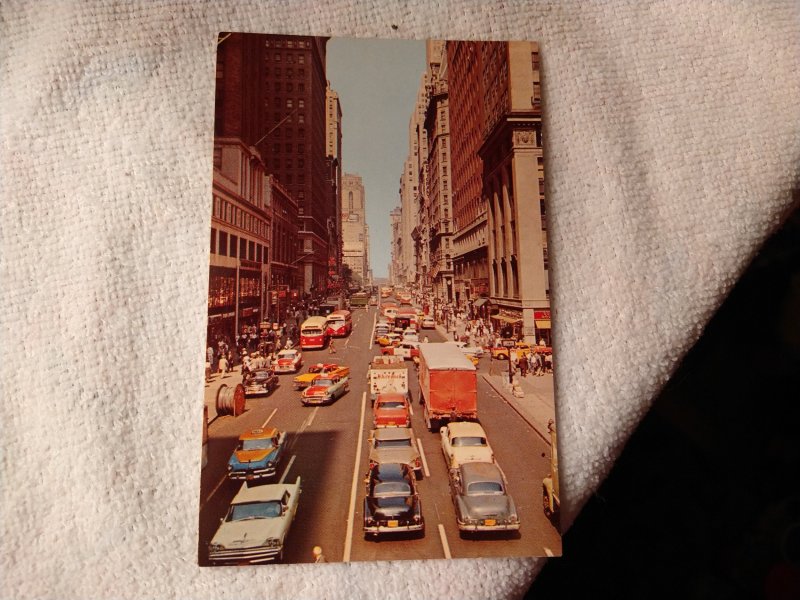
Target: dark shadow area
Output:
[{"x": 704, "y": 501}]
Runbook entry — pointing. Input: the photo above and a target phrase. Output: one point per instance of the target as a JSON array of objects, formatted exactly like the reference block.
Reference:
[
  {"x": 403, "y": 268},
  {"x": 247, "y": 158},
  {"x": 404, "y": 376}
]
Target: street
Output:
[{"x": 327, "y": 449}]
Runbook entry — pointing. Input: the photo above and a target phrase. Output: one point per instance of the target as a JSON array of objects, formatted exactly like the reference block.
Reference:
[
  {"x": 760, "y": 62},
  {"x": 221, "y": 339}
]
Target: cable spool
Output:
[{"x": 230, "y": 400}]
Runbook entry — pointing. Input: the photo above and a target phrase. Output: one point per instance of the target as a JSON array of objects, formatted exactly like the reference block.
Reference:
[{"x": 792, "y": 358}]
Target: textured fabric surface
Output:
[{"x": 672, "y": 145}]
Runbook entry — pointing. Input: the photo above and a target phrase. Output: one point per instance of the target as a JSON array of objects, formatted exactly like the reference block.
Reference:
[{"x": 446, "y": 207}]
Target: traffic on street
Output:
[{"x": 344, "y": 445}]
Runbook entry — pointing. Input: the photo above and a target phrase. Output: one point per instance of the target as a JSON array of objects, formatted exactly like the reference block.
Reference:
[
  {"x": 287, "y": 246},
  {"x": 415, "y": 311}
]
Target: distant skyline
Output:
[{"x": 377, "y": 82}]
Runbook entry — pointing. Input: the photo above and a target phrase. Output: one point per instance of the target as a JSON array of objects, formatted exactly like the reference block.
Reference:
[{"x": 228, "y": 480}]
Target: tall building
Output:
[
  {"x": 415, "y": 213},
  {"x": 241, "y": 221},
  {"x": 395, "y": 217},
  {"x": 470, "y": 230},
  {"x": 513, "y": 188},
  {"x": 333, "y": 153},
  {"x": 354, "y": 228},
  {"x": 437, "y": 198}
]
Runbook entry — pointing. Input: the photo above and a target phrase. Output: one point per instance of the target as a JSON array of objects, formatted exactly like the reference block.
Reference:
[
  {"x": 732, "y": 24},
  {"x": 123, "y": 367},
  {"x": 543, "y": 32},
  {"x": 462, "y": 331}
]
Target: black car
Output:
[
  {"x": 260, "y": 381},
  {"x": 392, "y": 503}
]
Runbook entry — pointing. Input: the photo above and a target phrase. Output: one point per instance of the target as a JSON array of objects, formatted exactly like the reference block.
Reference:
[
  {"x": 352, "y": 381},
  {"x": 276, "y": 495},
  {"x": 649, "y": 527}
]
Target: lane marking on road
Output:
[
  {"x": 445, "y": 545},
  {"x": 372, "y": 335},
  {"x": 272, "y": 414},
  {"x": 309, "y": 420},
  {"x": 424, "y": 460},
  {"x": 286, "y": 470},
  {"x": 214, "y": 491},
  {"x": 548, "y": 552},
  {"x": 348, "y": 541}
]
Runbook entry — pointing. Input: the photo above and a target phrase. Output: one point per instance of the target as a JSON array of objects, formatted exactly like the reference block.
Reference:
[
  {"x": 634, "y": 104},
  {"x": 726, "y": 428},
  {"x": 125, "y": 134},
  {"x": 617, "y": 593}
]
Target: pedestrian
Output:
[
  {"x": 331, "y": 347},
  {"x": 425, "y": 340},
  {"x": 319, "y": 557},
  {"x": 223, "y": 365},
  {"x": 548, "y": 363},
  {"x": 523, "y": 366}
]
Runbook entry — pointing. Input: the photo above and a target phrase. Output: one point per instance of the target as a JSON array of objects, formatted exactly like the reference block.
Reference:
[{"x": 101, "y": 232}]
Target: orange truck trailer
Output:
[{"x": 448, "y": 385}]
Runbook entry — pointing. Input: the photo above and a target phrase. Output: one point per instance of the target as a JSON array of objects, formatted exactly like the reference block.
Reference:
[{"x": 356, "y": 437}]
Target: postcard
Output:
[{"x": 379, "y": 366}]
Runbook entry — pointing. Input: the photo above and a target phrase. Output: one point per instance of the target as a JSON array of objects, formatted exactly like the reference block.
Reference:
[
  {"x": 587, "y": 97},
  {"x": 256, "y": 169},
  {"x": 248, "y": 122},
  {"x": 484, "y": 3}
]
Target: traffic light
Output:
[{"x": 507, "y": 332}]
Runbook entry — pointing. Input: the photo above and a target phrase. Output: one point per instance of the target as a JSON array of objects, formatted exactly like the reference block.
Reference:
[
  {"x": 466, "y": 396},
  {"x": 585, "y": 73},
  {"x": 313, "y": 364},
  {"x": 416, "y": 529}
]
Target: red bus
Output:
[
  {"x": 312, "y": 333},
  {"x": 339, "y": 324}
]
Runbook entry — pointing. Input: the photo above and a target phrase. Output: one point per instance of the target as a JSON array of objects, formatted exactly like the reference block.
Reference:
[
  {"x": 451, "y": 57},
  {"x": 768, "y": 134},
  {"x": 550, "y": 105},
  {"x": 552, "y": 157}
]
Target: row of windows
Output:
[
  {"x": 288, "y": 148},
  {"x": 289, "y": 132},
  {"x": 225, "y": 211},
  {"x": 287, "y": 43},
  {"x": 288, "y": 57},
  {"x": 226, "y": 244},
  {"x": 277, "y": 72}
]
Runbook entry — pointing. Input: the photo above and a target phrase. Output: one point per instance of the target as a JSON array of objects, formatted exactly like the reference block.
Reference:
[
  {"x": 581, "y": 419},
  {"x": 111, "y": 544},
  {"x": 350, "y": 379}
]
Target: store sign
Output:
[{"x": 541, "y": 315}]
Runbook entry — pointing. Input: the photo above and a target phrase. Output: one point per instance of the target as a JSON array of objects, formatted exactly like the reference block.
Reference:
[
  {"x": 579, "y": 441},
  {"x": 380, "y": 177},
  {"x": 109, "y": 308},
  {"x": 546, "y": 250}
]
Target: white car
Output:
[
  {"x": 428, "y": 323},
  {"x": 289, "y": 361},
  {"x": 465, "y": 441},
  {"x": 473, "y": 350},
  {"x": 256, "y": 526},
  {"x": 410, "y": 335}
]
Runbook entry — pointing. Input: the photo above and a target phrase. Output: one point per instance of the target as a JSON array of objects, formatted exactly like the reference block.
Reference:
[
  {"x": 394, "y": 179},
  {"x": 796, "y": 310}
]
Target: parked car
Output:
[
  {"x": 257, "y": 454},
  {"x": 481, "y": 499},
  {"x": 325, "y": 389},
  {"x": 392, "y": 504},
  {"x": 260, "y": 381},
  {"x": 373, "y": 301},
  {"x": 395, "y": 445},
  {"x": 428, "y": 323},
  {"x": 464, "y": 441},
  {"x": 391, "y": 410},
  {"x": 301, "y": 382},
  {"x": 255, "y": 528},
  {"x": 289, "y": 361}
]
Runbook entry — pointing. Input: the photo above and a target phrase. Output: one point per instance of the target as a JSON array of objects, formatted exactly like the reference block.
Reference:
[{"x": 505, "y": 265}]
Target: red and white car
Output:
[
  {"x": 391, "y": 410},
  {"x": 408, "y": 350},
  {"x": 289, "y": 361}
]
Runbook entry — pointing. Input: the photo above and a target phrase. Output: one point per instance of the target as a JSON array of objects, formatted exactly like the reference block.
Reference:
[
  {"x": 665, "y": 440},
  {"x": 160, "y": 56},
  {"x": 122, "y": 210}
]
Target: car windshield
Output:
[
  {"x": 323, "y": 382},
  {"x": 286, "y": 354},
  {"x": 391, "y": 404},
  {"x": 406, "y": 443},
  {"x": 484, "y": 487},
  {"x": 309, "y": 331},
  {"x": 391, "y": 488},
  {"x": 261, "y": 444},
  {"x": 469, "y": 440},
  {"x": 255, "y": 510}
]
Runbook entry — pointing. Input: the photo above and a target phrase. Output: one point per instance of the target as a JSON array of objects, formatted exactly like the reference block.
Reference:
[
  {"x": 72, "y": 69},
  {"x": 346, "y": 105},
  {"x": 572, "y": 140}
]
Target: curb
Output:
[{"x": 544, "y": 435}]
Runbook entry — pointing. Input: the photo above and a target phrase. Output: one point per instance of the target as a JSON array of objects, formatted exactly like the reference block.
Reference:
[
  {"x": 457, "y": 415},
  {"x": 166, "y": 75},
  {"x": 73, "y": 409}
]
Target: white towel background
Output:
[{"x": 672, "y": 145}]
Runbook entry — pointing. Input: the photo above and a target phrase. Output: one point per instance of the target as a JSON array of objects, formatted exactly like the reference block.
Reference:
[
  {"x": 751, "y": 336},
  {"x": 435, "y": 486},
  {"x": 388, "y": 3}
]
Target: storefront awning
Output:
[
  {"x": 506, "y": 319},
  {"x": 480, "y": 302},
  {"x": 543, "y": 324}
]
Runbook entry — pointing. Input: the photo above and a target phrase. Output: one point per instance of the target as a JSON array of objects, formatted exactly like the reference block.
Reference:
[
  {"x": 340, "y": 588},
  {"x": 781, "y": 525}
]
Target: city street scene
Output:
[{"x": 379, "y": 365}]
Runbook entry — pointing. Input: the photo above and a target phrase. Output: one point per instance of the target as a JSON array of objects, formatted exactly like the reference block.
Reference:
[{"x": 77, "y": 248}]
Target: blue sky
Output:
[{"x": 377, "y": 83}]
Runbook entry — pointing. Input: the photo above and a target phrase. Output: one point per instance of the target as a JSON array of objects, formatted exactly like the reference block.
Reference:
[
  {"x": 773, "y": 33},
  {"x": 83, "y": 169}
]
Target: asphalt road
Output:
[{"x": 327, "y": 449}]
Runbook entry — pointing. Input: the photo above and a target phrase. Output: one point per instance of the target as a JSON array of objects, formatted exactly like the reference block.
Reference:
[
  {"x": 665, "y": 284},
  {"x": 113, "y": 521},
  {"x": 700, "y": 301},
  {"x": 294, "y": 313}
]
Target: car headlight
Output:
[
  {"x": 273, "y": 542},
  {"x": 270, "y": 464},
  {"x": 230, "y": 467},
  {"x": 417, "y": 518},
  {"x": 215, "y": 547}
]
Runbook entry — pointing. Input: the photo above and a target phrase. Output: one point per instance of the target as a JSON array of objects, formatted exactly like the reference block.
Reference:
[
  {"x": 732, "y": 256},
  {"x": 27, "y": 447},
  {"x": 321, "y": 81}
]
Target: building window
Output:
[
  {"x": 277, "y": 57},
  {"x": 289, "y": 103},
  {"x": 301, "y": 87},
  {"x": 213, "y": 241},
  {"x": 277, "y": 71},
  {"x": 289, "y": 87},
  {"x": 242, "y": 248},
  {"x": 301, "y": 59},
  {"x": 300, "y": 148},
  {"x": 288, "y": 147},
  {"x": 259, "y": 249},
  {"x": 265, "y": 258},
  {"x": 251, "y": 251},
  {"x": 301, "y": 104},
  {"x": 233, "y": 246},
  {"x": 301, "y": 118}
]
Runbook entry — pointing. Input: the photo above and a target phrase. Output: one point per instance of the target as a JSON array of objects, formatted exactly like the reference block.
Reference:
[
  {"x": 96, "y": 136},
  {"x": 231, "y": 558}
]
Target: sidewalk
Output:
[
  {"x": 537, "y": 406},
  {"x": 211, "y": 387}
]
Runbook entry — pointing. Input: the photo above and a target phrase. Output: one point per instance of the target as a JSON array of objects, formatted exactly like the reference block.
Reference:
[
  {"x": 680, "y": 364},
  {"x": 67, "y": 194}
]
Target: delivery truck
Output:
[
  {"x": 387, "y": 374},
  {"x": 448, "y": 385}
]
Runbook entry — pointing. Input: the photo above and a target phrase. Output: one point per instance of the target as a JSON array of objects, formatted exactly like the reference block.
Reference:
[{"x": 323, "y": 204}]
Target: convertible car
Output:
[{"x": 301, "y": 382}]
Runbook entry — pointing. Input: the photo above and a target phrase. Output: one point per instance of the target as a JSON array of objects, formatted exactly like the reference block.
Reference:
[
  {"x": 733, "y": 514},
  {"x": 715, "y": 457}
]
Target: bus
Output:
[
  {"x": 312, "y": 333},
  {"x": 339, "y": 324},
  {"x": 359, "y": 300}
]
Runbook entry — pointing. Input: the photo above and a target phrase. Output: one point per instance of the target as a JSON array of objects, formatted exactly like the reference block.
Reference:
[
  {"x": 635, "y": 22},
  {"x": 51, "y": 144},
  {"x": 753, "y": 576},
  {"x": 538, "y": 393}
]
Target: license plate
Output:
[
  {"x": 490, "y": 522},
  {"x": 392, "y": 523}
]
